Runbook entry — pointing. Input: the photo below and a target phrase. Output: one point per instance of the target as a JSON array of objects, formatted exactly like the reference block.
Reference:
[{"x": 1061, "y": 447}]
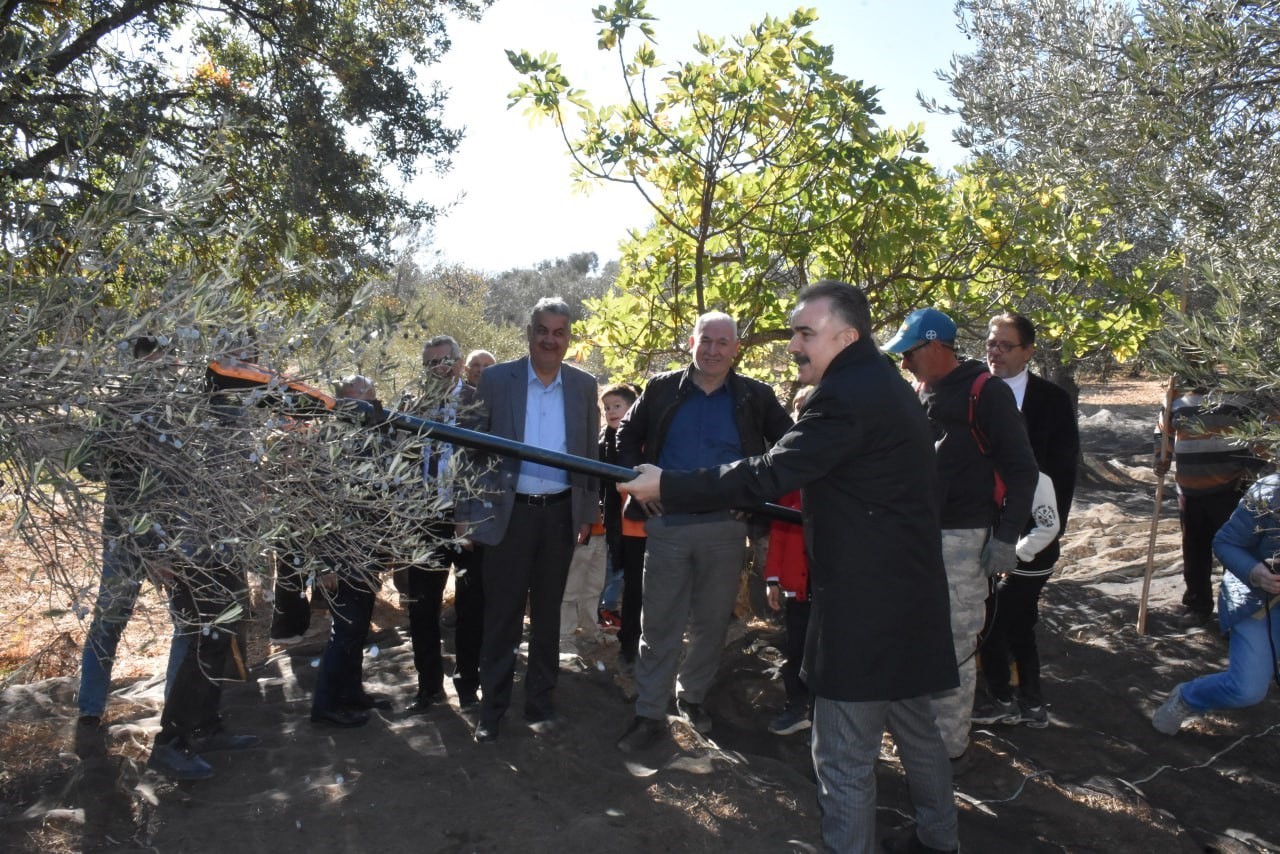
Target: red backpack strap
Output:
[
  {"x": 975, "y": 392},
  {"x": 999, "y": 490}
]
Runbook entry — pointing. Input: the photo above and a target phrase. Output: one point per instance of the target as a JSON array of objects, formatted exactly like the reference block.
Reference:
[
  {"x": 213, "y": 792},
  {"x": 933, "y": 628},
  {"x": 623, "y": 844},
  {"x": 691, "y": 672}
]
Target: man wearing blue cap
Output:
[{"x": 981, "y": 441}]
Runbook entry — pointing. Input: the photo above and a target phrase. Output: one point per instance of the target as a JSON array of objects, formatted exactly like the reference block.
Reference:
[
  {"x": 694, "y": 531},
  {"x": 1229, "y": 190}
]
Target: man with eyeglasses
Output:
[
  {"x": 1013, "y": 611},
  {"x": 980, "y": 440},
  {"x": 443, "y": 395}
]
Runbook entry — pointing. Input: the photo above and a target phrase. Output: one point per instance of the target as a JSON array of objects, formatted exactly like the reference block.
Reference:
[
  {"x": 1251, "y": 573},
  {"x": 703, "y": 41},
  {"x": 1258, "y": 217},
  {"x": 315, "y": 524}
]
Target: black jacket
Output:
[
  {"x": 760, "y": 418},
  {"x": 1055, "y": 441},
  {"x": 880, "y": 625},
  {"x": 966, "y": 477}
]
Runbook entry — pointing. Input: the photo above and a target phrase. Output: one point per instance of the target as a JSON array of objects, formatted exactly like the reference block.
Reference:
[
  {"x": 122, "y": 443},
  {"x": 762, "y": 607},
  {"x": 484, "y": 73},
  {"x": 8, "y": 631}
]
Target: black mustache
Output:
[{"x": 800, "y": 360}]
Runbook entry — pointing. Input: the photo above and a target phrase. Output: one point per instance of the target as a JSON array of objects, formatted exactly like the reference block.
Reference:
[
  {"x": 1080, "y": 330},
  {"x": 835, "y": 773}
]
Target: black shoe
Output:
[
  {"x": 468, "y": 701},
  {"x": 962, "y": 763},
  {"x": 905, "y": 841},
  {"x": 543, "y": 724},
  {"x": 1192, "y": 619},
  {"x": 642, "y": 734},
  {"x": 220, "y": 739},
  {"x": 694, "y": 715},
  {"x": 365, "y": 700},
  {"x": 339, "y": 717},
  {"x": 178, "y": 763},
  {"x": 90, "y": 739},
  {"x": 486, "y": 733},
  {"x": 424, "y": 700}
]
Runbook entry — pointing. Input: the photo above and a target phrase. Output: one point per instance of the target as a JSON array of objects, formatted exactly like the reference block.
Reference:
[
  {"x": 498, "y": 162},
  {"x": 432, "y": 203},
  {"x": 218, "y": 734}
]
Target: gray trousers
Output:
[
  {"x": 691, "y": 577},
  {"x": 967, "y": 586},
  {"x": 846, "y": 742}
]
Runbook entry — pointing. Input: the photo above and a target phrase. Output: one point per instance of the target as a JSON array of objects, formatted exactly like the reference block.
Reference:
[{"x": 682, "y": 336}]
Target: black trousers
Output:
[
  {"x": 796, "y": 615},
  {"x": 1201, "y": 517},
  {"x": 290, "y": 610},
  {"x": 468, "y": 607},
  {"x": 426, "y": 590},
  {"x": 1010, "y": 634},
  {"x": 199, "y": 597},
  {"x": 426, "y": 593},
  {"x": 628, "y": 553},
  {"x": 528, "y": 567}
]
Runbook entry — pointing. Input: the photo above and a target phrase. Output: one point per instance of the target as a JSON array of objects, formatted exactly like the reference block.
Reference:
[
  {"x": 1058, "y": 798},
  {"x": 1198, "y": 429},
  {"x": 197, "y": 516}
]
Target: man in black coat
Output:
[
  {"x": 1013, "y": 611},
  {"x": 879, "y": 640}
]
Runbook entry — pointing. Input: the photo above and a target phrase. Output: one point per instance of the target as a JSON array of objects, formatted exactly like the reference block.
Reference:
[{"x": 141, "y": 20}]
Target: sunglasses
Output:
[{"x": 906, "y": 354}]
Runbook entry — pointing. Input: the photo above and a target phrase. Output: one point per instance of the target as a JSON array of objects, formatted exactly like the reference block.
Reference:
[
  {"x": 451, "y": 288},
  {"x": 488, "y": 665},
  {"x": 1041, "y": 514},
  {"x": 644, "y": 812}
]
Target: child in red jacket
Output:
[{"x": 786, "y": 574}]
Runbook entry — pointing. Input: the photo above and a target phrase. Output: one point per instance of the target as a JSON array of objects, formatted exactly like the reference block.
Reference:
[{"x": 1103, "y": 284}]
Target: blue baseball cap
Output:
[{"x": 922, "y": 326}]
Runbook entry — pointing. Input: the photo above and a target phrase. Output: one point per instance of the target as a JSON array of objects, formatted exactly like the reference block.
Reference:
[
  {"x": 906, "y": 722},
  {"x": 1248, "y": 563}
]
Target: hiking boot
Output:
[
  {"x": 179, "y": 764},
  {"x": 906, "y": 841},
  {"x": 1169, "y": 718},
  {"x": 642, "y": 734},
  {"x": 792, "y": 719},
  {"x": 693, "y": 714},
  {"x": 995, "y": 711},
  {"x": 1033, "y": 716}
]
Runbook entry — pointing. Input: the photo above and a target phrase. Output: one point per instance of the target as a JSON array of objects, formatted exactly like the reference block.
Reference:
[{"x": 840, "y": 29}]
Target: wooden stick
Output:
[
  {"x": 238, "y": 658},
  {"x": 1166, "y": 422}
]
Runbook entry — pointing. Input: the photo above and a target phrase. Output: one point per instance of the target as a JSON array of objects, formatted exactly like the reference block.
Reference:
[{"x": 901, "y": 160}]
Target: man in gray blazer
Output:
[{"x": 529, "y": 516}]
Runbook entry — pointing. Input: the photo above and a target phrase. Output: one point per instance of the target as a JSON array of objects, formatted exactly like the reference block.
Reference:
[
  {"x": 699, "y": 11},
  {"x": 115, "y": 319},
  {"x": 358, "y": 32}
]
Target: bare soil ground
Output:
[{"x": 1098, "y": 779}]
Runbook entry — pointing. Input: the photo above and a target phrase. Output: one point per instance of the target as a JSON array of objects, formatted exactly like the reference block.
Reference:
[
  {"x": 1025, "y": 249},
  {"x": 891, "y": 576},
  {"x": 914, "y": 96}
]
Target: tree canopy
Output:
[
  {"x": 765, "y": 168},
  {"x": 300, "y": 106},
  {"x": 1159, "y": 114}
]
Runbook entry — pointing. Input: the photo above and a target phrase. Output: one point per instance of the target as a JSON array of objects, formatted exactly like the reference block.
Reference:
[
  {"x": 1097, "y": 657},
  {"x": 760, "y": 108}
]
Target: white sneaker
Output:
[{"x": 1169, "y": 718}]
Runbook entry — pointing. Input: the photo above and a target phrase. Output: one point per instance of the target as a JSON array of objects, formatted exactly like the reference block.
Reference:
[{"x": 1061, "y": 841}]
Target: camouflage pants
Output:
[{"x": 967, "y": 586}]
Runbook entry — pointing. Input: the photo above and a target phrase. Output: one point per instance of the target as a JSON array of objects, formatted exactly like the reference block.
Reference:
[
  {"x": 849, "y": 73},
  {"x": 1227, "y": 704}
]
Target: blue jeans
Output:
[
  {"x": 611, "y": 595},
  {"x": 1250, "y": 669},
  {"x": 122, "y": 576},
  {"x": 340, "y": 680}
]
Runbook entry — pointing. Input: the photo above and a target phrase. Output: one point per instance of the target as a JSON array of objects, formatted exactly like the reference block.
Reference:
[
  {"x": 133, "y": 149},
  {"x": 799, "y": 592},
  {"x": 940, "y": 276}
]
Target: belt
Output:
[{"x": 543, "y": 500}]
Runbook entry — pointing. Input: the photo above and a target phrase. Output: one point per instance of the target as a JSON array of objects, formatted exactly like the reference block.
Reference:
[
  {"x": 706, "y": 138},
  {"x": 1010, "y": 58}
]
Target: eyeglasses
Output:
[
  {"x": 439, "y": 363},
  {"x": 908, "y": 353},
  {"x": 1002, "y": 346}
]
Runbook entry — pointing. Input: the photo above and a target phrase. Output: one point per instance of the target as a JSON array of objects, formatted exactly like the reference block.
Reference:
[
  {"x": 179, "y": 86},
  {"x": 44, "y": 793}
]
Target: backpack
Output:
[{"x": 999, "y": 490}]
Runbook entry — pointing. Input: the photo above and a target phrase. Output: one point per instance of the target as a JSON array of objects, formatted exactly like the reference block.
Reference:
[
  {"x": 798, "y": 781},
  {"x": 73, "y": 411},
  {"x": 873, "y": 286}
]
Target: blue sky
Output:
[{"x": 514, "y": 200}]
